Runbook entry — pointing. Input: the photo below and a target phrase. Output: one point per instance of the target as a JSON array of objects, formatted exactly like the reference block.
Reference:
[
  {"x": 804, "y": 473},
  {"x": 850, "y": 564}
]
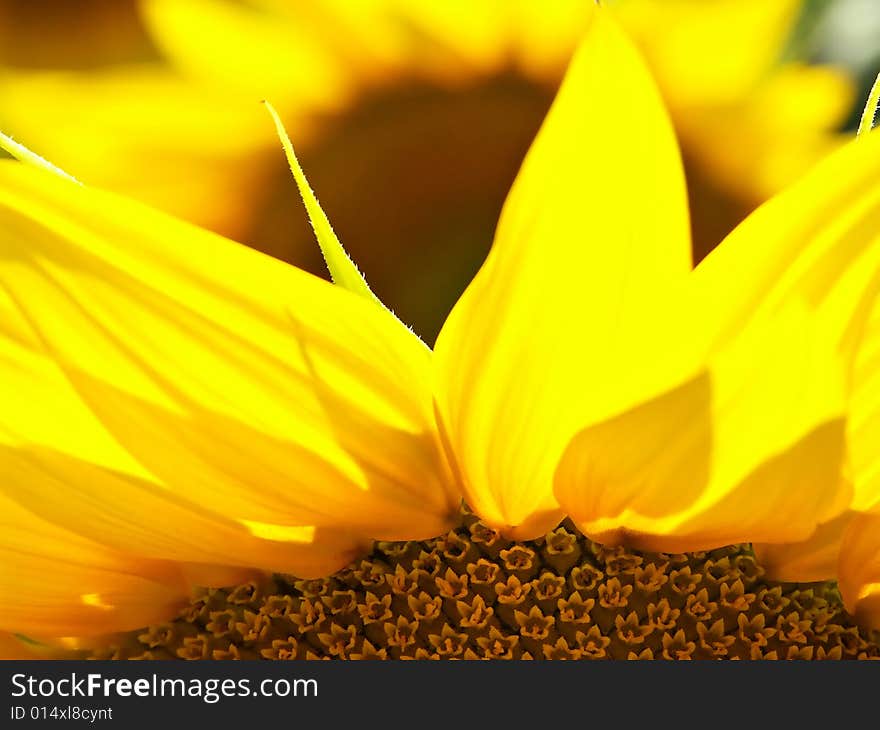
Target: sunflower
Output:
[
  {"x": 182, "y": 400},
  {"x": 384, "y": 88}
]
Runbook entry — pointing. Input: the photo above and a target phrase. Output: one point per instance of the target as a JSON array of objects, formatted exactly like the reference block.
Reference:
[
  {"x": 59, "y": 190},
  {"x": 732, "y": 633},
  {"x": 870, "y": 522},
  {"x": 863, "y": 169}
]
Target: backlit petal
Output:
[
  {"x": 237, "y": 383},
  {"x": 62, "y": 462},
  {"x": 594, "y": 230},
  {"x": 750, "y": 445}
]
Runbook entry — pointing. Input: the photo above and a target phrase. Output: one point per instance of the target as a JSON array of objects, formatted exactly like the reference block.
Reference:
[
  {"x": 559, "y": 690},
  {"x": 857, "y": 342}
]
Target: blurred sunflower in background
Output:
[
  {"x": 411, "y": 117},
  {"x": 182, "y": 410}
]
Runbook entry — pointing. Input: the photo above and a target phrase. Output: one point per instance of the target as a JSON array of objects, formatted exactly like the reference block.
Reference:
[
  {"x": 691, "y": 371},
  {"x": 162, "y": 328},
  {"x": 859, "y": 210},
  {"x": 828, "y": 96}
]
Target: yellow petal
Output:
[
  {"x": 859, "y": 569},
  {"x": 595, "y": 230},
  {"x": 750, "y": 444},
  {"x": 239, "y": 384},
  {"x": 54, "y": 583}
]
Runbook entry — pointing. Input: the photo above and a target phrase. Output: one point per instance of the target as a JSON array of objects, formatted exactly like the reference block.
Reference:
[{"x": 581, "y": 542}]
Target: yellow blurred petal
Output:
[
  {"x": 801, "y": 99},
  {"x": 368, "y": 37},
  {"x": 546, "y": 33},
  {"x": 54, "y": 583},
  {"x": 706, "y": 52},
  {"x": 747, "y": 121},
  {"x": 242, "y": 48},
  {"x": 145, "y": 133},
  {"x": 476, "y": 34},
  {"x": 593, "y": 232},
  {"x": 378, "y": 40},
  {"x": 751, "y": 443},
  {"x": 774, "y": 135},
  {"x": 239, "y": 384},
  {"x": 858, "y": 572}
]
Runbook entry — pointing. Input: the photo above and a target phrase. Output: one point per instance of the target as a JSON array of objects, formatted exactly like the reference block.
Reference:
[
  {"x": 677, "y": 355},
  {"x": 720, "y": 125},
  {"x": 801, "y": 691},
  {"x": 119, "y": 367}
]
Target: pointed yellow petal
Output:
[
  {"x": 858, "y": 572},
  {"x": 20, "y": 152},
  {"x": 342, "y": 269},
  {"x": 869, "y": 114},
  {"x": 237, "y": 384},
  {"x": 595, "y": 230},
  {"x": 750, "y": 445},
  {"x": 54, "y": 583}
]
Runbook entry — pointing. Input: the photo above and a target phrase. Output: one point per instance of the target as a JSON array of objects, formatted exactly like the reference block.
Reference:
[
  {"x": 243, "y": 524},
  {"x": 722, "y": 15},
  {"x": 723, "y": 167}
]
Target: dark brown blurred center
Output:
[{"x": 413, "y": 179}]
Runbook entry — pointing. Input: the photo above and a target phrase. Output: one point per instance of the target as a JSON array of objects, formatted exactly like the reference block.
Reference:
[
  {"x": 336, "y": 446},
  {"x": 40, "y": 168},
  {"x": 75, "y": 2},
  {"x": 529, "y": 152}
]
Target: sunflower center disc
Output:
[{"x": 473, "y": 595}]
